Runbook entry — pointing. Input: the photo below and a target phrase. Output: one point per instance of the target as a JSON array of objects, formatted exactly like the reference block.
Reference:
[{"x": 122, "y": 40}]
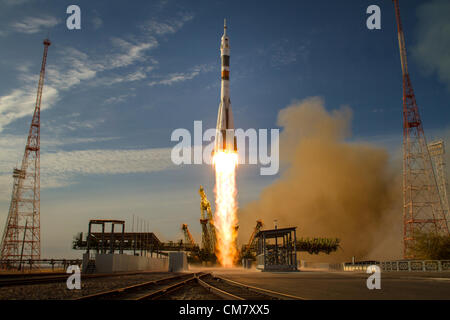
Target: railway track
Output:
[
  {"x": 232, "y": 290},
  {"x": 62, "y": 277},
  {"x": 145, "y": 290},
  {"x": 167, "y": 287},
  {"x": 10, "y": 276}
]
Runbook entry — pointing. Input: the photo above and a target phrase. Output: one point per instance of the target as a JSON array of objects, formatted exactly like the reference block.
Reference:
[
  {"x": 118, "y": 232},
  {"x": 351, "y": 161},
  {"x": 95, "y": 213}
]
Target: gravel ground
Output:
[
  {"x": 191, "y": 291},
  {"x": 59, "y": 290}
]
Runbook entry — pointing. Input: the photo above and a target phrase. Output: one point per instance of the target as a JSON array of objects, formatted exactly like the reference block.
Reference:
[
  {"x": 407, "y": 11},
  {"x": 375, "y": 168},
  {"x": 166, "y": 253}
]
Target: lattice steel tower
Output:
[
  {"x": 22, "y": 236},
  {"x": 422, "y": 207},
  {"x": 437, "y": 153}
]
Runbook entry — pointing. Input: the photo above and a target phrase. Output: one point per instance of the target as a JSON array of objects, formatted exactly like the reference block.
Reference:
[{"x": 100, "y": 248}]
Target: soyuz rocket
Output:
[{"x": 225, "y": 138}]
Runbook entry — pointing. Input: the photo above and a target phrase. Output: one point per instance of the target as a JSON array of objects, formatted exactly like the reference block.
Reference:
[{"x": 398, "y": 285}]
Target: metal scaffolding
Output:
[{"x": 276, "y": 249}]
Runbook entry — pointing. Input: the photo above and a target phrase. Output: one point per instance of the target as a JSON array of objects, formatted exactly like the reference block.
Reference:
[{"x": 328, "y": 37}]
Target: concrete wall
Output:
[
  {"x": 85, "y": 262},
  {"x": 108, "y": 263},
  {"x": 320, "y": 265},
  {"x": 178, "y": 261},
  {"x": 247, "y": 263}
]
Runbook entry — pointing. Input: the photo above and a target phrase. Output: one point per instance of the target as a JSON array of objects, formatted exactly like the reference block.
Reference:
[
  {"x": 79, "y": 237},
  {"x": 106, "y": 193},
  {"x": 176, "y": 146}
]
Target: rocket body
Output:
[{"x": 225, "y": 138}]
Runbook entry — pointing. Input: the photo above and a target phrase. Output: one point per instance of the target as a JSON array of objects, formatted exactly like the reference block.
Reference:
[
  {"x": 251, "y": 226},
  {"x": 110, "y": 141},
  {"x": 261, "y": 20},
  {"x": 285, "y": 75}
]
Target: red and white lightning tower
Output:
[
  {"x": 422, "y": 207},
  {"x": 22, "y": 236}
]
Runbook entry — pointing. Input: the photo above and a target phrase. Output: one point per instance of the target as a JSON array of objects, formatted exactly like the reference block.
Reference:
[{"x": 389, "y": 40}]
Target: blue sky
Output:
[{"x": 137, "y": 70}]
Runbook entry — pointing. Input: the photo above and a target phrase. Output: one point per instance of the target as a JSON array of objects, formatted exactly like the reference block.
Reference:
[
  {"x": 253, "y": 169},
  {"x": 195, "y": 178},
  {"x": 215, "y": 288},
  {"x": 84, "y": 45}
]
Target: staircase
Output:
[{"x": 90, "y": 267}]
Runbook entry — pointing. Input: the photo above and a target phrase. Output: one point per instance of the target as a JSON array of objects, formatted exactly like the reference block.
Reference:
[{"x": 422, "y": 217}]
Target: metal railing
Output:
[
  {"x": 401, "y": 265},
  {"x": 29, "y": 264}
]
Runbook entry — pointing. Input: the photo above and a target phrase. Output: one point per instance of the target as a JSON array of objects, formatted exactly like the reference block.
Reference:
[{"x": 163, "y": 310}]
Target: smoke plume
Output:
[{"x": 330, "y": 187}]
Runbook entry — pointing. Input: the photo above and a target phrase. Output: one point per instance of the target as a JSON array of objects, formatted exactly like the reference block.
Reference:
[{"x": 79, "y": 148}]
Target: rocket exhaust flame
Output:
[
  {"x": 225, "y": 159},
  {"x": 225, "y": 218}
]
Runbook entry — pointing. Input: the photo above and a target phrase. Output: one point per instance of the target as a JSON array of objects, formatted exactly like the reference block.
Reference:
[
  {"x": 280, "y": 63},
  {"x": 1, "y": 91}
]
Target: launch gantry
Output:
[
  {"x": 206, "y": 220},
  {"x": 187, "y": 235}
]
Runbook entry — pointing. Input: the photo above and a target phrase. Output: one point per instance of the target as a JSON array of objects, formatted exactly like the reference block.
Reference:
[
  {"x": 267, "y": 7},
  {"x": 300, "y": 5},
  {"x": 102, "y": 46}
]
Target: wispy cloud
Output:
[
  {"x": 15, "y": 2},
  {"x": 72, "y": 67},
  {"x": 107, "y": 161},
  {"x": 162, "y": 4},
  {"x": 155, "y": 27},
  {"x": 173, "y": 78},
  {"x": 61, "y": 168},
  {"x": 59, "y": 126},
  {"x": 74, "y": 125},
  {"x": 132, "y": 52},
  {"x": 118, "y": 99},
  {"x": 284, "y": 53},
  {"x": 97, "y": 22},
  {"x": 137, "y": 75},
  {"x": 34, "y": 24},
  {"x": 433, "y": 46},
  {"x": 19, "y": 103}
]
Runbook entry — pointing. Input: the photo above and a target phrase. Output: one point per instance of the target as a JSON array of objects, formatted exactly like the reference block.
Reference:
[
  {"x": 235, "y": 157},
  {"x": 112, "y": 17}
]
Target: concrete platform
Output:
[
  {"x": 314, "y": 284},
  {"x": 109, "y": 263}
]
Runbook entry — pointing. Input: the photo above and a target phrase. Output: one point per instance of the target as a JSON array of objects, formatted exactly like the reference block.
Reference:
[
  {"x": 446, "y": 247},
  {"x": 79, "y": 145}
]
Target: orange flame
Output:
[{"x": 225, "y": 219}]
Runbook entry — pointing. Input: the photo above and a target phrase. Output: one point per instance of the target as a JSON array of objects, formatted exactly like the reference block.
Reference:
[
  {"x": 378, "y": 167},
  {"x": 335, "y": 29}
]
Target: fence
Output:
[
  {"x": 11, "y": 264},
  {"x": 321, "y": 265},
  {"x": 402, "y": 265}
]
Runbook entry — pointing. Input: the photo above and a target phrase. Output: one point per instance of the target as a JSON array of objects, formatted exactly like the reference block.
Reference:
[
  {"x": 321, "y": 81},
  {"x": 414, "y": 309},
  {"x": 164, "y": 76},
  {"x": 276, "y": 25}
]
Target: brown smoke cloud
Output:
[{"x": 330, "y": 187}]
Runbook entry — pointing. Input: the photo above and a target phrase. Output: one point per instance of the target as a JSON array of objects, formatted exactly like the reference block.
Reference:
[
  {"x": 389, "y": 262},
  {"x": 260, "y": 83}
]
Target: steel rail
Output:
[
  {"x": 61, "y": 278},
  {"x": 219, "y": 292},
  {"x": 11, "y": 276},
  {"x": 224, "y": 294},
  {"x": 113, "y": 292},
  {"x": 166, "y": 291},
  {"x": 271, "y": 293},
  {"x": 159, "y": 293}
]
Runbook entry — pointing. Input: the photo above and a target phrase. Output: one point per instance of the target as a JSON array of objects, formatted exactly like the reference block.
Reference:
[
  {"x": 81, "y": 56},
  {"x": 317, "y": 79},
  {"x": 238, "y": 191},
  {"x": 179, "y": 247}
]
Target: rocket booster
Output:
[{"x": 225, "y": 138}]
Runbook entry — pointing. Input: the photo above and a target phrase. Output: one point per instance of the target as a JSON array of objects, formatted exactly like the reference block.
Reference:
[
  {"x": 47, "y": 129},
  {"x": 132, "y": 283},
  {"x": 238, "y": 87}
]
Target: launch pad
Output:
[{"x": 346, "y": 192}]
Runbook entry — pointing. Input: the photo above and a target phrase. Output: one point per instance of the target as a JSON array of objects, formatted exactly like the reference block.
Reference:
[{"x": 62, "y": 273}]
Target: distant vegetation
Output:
[
  {"x": 432, "y": 246},
  {"x": 318, "y": 245},
  {"x": 312, "y": 246}
]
